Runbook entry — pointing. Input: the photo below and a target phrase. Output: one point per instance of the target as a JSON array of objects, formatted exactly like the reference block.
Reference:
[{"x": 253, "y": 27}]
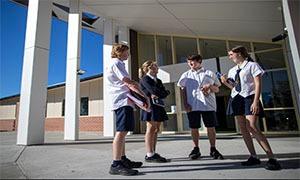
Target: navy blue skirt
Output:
[
  {"x": 239, "y": 106},
  {"x": 157, "y": 113}
]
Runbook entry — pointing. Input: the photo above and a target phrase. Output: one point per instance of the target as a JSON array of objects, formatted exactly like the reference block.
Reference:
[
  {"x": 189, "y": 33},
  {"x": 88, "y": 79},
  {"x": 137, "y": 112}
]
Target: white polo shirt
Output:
[
  {"x": 116, "y": 87},
  {"x": 192, "y": 80},
  {"x": 249, "y": 70}
]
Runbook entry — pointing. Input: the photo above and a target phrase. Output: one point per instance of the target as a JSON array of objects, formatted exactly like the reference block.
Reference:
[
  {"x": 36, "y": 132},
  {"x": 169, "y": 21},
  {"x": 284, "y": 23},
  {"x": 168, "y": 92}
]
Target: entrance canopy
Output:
[{"x": 234, "y": 19}]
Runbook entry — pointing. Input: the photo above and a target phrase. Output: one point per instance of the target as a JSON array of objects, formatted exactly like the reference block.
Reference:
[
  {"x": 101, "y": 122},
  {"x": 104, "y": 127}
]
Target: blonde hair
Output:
[
  {"x": 118, "y": 49},
  {"x": 143, "y": 70}
]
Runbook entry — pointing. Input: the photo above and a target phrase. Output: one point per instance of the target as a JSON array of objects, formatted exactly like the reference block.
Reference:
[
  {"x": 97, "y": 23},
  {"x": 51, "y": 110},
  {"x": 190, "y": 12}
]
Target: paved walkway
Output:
[{"x": 90, "y": 157}]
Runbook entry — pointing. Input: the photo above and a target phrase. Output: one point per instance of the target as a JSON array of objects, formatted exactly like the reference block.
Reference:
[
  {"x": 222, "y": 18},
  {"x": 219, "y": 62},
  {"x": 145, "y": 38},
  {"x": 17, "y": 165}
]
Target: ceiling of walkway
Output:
[{"x": 226, "y": 19}]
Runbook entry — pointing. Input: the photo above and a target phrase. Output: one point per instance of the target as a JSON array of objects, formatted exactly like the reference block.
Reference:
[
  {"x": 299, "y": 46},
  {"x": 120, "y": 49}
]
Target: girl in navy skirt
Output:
[
  {"x": 155, "y": 90},
  {"x": 245, "y": 105}
]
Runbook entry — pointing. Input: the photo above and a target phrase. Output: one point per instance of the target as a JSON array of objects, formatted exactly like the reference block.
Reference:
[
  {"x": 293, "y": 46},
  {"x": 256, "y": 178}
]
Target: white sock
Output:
[{"x": 150, "y": 154}]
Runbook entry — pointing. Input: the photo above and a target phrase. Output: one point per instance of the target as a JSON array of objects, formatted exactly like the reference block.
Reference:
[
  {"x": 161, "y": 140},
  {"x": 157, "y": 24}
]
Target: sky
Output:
[{"x": 13, "y": 30}]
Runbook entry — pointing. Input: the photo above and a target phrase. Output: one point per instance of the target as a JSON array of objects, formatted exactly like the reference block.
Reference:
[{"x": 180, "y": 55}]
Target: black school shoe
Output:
[
  {"x": 251, "y": 161},
  {"x": 216, "y": 154},
  {"x": 122, "y": 170},
  {"x": 195, "y": 154},
  {"x": 131, "y": 164},
  {"x": 156, "y": 158},
  {"x": 273, "y": 164}
]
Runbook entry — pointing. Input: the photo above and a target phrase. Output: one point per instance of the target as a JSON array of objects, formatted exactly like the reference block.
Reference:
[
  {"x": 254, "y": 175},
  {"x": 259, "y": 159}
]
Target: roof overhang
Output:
[{"x": 227, "y": 19}]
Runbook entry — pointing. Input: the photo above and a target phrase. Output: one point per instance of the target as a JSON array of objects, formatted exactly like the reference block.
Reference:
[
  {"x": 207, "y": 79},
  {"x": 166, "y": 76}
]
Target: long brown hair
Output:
[
  {"x": 242, "y": 50},
  {"x": 143, "y": 70},
  {"x": 118, "y": 49}
]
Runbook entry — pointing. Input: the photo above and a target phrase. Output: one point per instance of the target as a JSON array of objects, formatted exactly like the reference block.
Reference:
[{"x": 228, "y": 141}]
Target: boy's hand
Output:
[
  {"x": 187, "y": 107},
  {"x": 205, "y": 89},
  {"x": 223, "y": 78}
]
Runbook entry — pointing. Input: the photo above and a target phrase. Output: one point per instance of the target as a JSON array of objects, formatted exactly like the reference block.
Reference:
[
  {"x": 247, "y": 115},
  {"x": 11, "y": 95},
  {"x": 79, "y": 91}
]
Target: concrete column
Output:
[
  {"x": 71, "y": 126},
  {"x": 124, "y": 39},
  {"x": 291, "y": 9},
  {"x": 108, "y": 114},
  {"x": 35, "y": 73}
]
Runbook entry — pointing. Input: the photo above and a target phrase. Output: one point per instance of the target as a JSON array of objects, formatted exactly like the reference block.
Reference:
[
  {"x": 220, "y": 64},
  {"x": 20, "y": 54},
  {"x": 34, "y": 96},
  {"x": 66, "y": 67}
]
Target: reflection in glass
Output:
[
  {"x": 171, "y": 124},
  {"x": 281, "y": 120},
  {"x": 170, "y": 100},
  {"x": 184, "y": 47},
  {"x": 265, "y": 46},
  {"x": 276, "y": 90},
  {"x": 146, "y": 48},
  {"x": 271, "y": 59},
  {"x": 212, "y": 48},
  {"x": 164, "y": 50}
]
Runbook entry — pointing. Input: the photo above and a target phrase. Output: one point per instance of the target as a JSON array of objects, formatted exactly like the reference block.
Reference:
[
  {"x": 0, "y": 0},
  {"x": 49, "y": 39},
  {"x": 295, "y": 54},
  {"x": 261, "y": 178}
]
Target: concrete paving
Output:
[{"x": 90, "y": 158}]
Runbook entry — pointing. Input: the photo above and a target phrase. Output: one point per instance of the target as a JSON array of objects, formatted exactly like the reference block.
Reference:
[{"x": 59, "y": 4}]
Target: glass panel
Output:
[
  {"x": 84, "y": 106},
  {"x": 281, "y": 120},
  {"x": 164, "y": 50},
  {"x": 271, "y": 59},
  {"x": 233, "y": 44},
  {"x": 276, "y": 90},
  {"x": 146, "y": 48},
  {"x": 63, "y": 108},
  {"x": 184, "y": 47},
  {"x": 265, "y": 46},
  {"x": 212, "y": 48},
  {"x": 171, "y": 124},
  {"x": 170, "y": 100}
]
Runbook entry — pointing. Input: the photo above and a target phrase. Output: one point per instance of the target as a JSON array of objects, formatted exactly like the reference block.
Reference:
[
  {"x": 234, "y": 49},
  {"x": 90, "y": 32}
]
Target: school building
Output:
[{"x": 164, "y": 30}]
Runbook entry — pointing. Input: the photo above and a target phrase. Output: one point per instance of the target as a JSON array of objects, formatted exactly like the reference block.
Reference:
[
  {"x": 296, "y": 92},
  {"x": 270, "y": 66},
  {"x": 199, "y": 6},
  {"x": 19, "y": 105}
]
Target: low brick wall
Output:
[
  {"x": 7, "y": 125},
  {"x": 57, "y": 124}
]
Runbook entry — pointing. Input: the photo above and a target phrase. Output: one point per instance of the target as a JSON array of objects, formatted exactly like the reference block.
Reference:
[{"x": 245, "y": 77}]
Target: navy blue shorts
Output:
[
  {"x": 209, "y": 119},
  {"x": 124, "y": 119},
  {"x": 242, "y": 106}
]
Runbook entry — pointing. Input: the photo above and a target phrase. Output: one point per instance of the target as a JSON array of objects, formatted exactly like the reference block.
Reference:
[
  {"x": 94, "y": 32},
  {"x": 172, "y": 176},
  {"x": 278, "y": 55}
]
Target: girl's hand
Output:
[
  {"x": 223, "y": 78},
  {"x": 255, "y": 107}
]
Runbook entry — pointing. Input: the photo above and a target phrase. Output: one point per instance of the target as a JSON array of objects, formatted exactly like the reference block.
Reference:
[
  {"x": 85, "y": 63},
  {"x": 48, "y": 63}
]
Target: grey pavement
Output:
[{"x": 90, "y": 158}]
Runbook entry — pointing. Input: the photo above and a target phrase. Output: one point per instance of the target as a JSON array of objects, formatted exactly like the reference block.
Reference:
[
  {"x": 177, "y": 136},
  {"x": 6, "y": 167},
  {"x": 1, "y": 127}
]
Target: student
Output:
[
  {"x": 245, "y": 104},
  {"x": 155, "y": 90},
  {"x": 198, "y": 87},
  {"x": 119, "y": 85}
]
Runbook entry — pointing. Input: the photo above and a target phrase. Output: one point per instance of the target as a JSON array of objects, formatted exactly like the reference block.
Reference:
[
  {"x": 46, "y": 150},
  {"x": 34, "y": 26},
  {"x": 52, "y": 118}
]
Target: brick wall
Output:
[
  {"x": 7, "y": 125},
  {"x": 57, "y": 124}
]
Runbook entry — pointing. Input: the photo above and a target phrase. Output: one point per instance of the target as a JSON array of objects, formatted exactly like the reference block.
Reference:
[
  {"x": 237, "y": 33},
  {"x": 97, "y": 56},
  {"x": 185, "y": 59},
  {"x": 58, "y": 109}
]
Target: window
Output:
[
  {"x": 265, "y": 46},
  {"x": 281, "y": 120},
  {"x": 84, "y": 106},
  {"x": 184, "y": 47},
  {"x": 276, "y": 90},
  {"x": 271, "y": 59},
  {"x": 146, "y": 48},
  {"x": 164, "y": 50},
  {"x": 63, "y": 108},
  {"x": 212, "y": 48}
]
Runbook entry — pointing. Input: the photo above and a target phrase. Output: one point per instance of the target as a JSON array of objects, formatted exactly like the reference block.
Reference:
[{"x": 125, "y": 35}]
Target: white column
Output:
[
  {"x": 124, "y": 39},
  {"x": 35, "y": 73},
  {"x": 108, "y": 115},
  {"x": 72, "y": 93}
]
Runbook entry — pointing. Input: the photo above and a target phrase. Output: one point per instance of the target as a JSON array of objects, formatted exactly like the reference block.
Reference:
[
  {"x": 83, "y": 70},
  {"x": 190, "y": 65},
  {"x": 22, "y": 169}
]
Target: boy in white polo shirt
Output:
[
  {"x": 119, "y": 85},
  {"x": 198, "y": 87}
]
